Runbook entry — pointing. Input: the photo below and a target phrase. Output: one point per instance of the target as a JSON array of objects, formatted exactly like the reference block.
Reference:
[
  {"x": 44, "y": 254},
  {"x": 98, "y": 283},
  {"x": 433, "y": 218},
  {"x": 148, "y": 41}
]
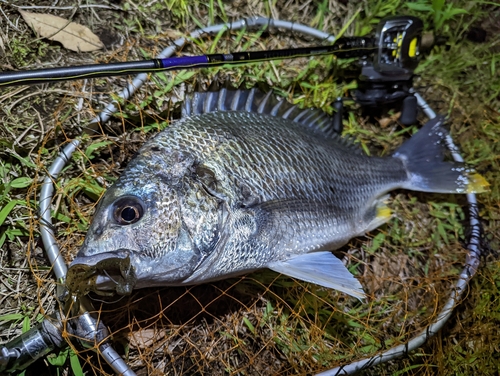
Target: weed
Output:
[
  {"x": 62, "y": 358},
  {"x": 441, "y": 13}
]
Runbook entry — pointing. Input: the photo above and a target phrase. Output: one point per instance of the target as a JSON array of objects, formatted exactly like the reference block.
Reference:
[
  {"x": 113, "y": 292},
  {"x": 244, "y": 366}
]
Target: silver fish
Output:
[{"x": 245, "y": 182}]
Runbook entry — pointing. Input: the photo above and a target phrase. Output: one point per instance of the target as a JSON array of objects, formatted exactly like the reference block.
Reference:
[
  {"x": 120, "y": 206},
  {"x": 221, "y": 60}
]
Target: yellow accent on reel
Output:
[{"x": 412, "y": 51}]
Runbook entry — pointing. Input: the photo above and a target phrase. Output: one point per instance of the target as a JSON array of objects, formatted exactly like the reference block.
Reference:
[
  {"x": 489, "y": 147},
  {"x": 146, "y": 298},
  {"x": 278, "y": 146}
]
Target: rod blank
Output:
[{"x": 343, "y": 48}]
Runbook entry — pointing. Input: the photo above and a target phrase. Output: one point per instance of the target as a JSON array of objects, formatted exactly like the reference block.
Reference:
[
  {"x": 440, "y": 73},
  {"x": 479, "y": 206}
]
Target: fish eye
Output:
[{"x": 128, "y": 210}]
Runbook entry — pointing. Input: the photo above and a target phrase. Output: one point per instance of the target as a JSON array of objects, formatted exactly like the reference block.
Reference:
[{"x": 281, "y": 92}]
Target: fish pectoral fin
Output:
[{"x": 321, "y": 268}]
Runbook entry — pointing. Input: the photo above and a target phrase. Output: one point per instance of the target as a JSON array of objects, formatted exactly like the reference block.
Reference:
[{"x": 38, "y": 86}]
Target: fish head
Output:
[{"x": 153, "y": 227}]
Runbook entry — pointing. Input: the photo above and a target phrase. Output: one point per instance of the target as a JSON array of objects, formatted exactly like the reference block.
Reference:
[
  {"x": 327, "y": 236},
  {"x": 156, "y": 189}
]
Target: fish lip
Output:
[
  {"x": 93, "y": 260},
  {"x": 100, "y": 272}
]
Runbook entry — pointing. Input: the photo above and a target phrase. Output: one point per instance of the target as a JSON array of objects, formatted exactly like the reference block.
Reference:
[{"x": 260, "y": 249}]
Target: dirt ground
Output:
[{"x": 263, "y": 323}]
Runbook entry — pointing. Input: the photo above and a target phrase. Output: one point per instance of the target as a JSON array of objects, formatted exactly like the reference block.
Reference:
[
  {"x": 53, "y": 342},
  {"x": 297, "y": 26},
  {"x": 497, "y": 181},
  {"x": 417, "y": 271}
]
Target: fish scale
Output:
[
  {"x": 245, "y": 182},
  {"x": 258, "y": 154}
]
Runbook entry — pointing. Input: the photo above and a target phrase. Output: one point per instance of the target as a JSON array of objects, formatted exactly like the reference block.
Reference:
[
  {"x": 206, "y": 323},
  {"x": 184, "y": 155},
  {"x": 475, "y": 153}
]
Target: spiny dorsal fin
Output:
[{"x": 316, "y": 121}]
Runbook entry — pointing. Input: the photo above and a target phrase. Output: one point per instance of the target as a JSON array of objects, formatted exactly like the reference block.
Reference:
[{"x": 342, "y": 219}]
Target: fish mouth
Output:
[{"x": 104, "y": 274}]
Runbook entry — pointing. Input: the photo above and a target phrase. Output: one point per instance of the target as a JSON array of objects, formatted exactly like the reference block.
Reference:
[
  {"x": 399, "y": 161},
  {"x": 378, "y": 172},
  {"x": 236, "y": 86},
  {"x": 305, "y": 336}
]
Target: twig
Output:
[
  {"x": 61, "y": 8},
  {"x": 9, "y": 21}
]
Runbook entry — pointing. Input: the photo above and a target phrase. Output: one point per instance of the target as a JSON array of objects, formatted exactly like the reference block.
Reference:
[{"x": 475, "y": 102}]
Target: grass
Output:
[{"x": 259, "y": 324}]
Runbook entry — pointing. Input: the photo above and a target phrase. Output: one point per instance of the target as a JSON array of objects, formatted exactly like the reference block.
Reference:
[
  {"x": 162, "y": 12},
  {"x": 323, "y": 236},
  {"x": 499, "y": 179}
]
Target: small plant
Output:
[
  {"x": 8, "y": 203},
  {"x": 24, "y": 316},
  {"x": 24, "y": 50},
  {"x": 440, "y": 13},
  {"x": 61, "y": 359}
]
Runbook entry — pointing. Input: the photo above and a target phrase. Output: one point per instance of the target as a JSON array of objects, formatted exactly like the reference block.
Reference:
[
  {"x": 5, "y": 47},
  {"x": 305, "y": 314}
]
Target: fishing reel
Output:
[{"x": 388, "y": 77}]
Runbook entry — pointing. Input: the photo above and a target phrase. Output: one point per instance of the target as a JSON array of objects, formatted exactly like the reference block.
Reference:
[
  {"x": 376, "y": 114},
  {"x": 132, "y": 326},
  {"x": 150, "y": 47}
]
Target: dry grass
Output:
[{"x": 259, "y": 324}]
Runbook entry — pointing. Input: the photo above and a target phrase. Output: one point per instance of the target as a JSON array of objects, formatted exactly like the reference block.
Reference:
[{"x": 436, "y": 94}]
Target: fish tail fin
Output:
[{"x": 423, "y": 156}]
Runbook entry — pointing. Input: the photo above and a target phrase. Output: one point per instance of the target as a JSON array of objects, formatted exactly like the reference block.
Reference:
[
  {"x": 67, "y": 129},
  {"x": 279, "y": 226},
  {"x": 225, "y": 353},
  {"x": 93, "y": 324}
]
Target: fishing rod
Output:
[
  {"x": 388, "y": 62},
  {"x": 396, "y": 45},
  {"x": 343, "y": 48}
]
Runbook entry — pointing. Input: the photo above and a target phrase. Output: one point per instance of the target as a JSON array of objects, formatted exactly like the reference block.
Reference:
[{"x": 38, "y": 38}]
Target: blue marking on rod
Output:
[{"x": 184, "y": 61}]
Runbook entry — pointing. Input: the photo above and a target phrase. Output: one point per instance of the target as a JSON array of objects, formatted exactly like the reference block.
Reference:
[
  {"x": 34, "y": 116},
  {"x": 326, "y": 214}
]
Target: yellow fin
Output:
[
  {"x": 382, "y": 215},
  {"x": 477, "y": 184}
]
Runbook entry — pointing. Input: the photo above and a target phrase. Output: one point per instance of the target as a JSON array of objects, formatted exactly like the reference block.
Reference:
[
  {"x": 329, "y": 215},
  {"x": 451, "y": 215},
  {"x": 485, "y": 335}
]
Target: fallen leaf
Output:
[
  {"x": 145, "y": 338},
  {"x": 173, "y": 34},
  {"x": 385, "y": 122},
  {"x": 71, "y": 35}
]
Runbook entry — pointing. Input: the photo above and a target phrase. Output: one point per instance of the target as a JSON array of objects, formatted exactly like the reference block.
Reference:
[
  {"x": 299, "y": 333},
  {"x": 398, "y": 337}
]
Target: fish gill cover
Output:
[{"x": 261, "y": 323}]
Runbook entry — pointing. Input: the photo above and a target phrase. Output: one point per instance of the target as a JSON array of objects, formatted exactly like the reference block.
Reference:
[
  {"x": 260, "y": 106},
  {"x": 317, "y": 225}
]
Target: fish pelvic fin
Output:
[
  {"x": 321, "y": 268},
  {"x": 423, "y": 157}
]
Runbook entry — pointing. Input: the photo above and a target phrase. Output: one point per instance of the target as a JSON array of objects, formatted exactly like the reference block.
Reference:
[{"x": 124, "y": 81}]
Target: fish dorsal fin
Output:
[
  {"x": 314, "y": 120},
  {"x": 321, "y": 268}
]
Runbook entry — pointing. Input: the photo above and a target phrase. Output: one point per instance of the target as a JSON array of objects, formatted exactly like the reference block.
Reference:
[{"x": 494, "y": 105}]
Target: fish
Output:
[{"x": 245, "y": 181}]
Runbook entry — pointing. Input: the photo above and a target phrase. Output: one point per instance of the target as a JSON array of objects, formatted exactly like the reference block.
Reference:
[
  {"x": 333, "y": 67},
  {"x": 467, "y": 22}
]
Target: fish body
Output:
[{"x": 245, "y": 182}]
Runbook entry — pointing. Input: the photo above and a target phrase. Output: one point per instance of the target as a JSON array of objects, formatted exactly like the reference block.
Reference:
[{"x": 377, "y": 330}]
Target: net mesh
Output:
[{"x": 261, "y": 323}]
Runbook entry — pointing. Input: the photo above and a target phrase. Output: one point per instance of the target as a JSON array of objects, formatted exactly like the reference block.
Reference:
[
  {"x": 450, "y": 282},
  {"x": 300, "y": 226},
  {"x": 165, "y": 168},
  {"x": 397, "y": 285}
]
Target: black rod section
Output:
[
  {"x": 40, "y": 76},
  {"x": 343, "y": 48}
]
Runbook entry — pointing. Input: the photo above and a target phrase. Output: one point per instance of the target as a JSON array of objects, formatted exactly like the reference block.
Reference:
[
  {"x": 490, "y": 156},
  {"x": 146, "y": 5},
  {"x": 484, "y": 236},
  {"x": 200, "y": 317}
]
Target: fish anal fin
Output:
[
  {"x": 321, "y": 268},
  {"x": 382, "y": 214}
]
